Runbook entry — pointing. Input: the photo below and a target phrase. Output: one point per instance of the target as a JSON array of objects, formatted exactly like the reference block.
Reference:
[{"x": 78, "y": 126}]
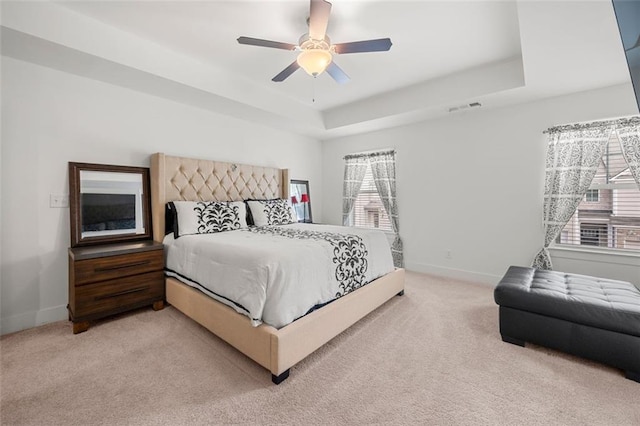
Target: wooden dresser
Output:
[{"x": 112, "y": 278}]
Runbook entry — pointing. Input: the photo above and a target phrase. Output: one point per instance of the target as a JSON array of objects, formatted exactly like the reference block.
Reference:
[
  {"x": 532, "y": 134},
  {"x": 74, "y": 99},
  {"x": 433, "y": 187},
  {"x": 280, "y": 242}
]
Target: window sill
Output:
[
  {"x": 620, "y": 257},
  {"x": 373, "y": 229}
]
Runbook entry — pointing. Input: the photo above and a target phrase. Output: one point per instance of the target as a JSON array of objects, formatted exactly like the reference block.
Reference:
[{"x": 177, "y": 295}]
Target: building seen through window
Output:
[{"x": 609, "y": 214}]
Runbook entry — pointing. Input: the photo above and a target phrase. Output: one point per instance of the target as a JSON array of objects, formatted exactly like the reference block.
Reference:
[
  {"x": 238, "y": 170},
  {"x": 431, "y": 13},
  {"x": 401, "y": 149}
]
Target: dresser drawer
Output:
[
  {"x": 106, "y": 268},
  {"x": 118, "y": 295}
]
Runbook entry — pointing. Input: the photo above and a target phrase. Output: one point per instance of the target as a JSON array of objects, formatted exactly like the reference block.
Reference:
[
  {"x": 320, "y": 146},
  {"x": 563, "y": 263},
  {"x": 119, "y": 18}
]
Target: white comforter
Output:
[{"x": 277, "y": 274}]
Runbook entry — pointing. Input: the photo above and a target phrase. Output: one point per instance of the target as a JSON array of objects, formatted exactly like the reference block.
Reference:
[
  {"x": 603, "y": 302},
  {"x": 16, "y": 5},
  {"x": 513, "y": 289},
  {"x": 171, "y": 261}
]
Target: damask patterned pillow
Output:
[
  {"x": 271, "y": 212},
  {"x": 206, "y": 217}
]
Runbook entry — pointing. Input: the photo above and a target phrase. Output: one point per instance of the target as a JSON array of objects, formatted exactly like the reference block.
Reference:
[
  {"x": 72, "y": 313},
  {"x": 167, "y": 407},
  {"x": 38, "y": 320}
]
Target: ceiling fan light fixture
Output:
[{"x": 314, "y": 61}]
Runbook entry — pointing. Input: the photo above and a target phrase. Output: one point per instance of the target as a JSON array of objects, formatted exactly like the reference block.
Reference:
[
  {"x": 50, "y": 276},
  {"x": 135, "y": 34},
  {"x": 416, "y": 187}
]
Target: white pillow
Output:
[
  {"x": 206, "y": 217},
  {"x": 271, "y": 212}
]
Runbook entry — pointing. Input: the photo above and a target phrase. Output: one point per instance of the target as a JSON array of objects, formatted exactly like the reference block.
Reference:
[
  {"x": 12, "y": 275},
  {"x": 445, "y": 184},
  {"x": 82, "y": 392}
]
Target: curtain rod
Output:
[
  {"x": 635, "y": 119},
  {"x": 369, "y": 153}
]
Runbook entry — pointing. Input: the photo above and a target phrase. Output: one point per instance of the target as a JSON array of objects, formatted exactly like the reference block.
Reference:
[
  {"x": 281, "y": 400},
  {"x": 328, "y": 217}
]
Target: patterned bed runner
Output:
[{"x": 349, "y": 253}]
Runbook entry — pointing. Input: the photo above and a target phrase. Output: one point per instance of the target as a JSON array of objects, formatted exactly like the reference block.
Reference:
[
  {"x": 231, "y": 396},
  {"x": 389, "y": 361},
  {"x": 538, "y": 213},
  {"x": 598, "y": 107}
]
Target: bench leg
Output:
[
  {"x": 512, "y": 340},
  {"x": 632, "y": 376},
  {"x": 281, "y": 378}
]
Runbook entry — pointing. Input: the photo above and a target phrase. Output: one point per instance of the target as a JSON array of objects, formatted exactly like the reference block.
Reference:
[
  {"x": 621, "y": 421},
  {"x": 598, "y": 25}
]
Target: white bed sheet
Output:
[{"x": 277, "y": 275}]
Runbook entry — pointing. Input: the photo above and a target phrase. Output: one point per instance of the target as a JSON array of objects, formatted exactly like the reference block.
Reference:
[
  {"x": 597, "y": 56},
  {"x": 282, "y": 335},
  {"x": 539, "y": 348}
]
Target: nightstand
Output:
[{"x": 113, "y": 278}]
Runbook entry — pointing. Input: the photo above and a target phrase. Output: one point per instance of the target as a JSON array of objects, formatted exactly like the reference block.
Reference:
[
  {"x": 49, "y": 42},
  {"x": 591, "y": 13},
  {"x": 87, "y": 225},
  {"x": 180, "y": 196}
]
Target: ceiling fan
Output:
[{"x": 316, "y": 50}]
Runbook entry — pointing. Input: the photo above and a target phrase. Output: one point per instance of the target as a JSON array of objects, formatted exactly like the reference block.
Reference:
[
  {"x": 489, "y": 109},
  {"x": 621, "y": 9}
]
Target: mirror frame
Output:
[
  {"x": 75, "y": 209},
  {"x": 304, "y": 183}
]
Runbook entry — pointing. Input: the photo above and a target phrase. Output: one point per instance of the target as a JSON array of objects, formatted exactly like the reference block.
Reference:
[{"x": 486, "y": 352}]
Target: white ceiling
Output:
[
  {"x": 444, "y": 54},
  {"x": 430, "y": 39}
]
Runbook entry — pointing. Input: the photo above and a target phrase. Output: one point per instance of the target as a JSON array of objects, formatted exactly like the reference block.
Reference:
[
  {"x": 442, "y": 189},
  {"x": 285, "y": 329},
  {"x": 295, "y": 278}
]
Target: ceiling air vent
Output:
[{"x": 465, "y": 106}]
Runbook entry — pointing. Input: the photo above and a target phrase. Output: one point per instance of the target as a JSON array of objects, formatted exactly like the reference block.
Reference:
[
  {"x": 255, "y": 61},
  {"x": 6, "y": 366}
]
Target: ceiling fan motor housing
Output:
[{"x": 307, "y": 43}]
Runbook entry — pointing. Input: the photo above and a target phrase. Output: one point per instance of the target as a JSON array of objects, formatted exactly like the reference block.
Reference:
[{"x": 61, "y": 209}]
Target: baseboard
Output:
[
  {"x": 460, "y": 274},
  {"x": 32, "y": 319},
  {"x": 58, "y": 313}
]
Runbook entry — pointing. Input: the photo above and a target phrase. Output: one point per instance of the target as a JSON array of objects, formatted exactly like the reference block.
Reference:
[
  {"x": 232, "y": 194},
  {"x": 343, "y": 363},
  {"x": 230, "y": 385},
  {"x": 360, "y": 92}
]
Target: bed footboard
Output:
[
  {"x": 279, "y": 350},
  {"x": 293, "y": 343}
]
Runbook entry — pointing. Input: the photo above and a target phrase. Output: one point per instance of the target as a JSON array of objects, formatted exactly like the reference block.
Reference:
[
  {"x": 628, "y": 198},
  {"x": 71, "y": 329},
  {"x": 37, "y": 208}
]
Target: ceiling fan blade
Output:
[
  {"x": 336, "y": 72},
  {"x": 319, "y": 11},
  {"x": 378, "y": 45},
  {"x": 286, "y": 72},
  {"x": 266, "y": 43}
]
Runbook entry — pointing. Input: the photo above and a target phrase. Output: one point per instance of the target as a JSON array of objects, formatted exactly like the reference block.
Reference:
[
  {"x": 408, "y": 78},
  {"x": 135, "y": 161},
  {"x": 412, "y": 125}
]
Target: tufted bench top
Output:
[{"x": 597, "y": 302}]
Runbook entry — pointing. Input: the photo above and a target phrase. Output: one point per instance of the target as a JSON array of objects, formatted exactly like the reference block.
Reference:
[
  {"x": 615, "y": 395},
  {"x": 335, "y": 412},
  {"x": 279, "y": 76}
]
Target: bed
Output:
[{"x": 276, "y": 349}]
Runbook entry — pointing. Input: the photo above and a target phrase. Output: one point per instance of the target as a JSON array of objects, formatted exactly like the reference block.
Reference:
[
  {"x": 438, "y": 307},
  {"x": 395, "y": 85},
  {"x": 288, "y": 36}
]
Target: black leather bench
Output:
[{"x": 591, "y": 317}]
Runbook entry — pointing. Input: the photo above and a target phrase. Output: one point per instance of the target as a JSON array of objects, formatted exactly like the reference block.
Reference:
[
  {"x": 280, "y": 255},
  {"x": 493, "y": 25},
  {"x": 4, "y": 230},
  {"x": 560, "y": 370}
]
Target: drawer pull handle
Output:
[
  {"x": 122, "y": 293},
  {"x": 128, "y": 265}
]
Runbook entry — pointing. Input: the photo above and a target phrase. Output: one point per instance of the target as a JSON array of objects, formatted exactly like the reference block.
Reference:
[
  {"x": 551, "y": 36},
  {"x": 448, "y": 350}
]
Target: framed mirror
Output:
[
  {"x": 301, "y": 200},
  {"x": 108, "y": 203}
]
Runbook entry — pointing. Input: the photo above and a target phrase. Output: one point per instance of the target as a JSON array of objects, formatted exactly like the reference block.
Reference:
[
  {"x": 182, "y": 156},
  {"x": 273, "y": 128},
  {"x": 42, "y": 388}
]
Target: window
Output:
[
  {"x": 592, "y": 195},
  {"x": 368, "y": 211},
  {"x": 609, "y": 215},
  {"x": 370, "y": 203},
  {"x": 593, "y": 235}
]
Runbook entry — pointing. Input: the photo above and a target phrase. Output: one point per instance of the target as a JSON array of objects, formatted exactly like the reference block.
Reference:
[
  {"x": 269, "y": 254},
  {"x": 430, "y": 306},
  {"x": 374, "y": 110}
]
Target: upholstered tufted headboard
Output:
[{"x": 178, "y": 178}]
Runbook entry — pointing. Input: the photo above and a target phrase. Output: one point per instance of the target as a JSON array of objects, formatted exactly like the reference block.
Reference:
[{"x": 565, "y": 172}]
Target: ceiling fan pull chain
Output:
[{"x": 313, "y": 86}]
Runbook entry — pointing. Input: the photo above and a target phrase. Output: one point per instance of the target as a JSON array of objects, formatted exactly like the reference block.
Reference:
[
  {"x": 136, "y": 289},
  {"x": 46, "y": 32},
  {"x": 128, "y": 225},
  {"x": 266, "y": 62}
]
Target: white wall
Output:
[
  {"x": 50, "y": 118},
  {"x": 473, "y": 182},
  {"x": 470, "y": 182}
]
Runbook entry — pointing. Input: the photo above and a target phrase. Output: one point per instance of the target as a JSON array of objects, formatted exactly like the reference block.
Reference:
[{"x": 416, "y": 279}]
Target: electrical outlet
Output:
[
  {"x": 58, "y": 201},
  {"x": 448, "y": 254}
]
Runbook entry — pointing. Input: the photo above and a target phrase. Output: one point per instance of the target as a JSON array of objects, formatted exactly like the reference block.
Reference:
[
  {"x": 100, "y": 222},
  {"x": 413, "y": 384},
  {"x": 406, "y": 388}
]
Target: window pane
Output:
[{"x": 609, "y": 215}]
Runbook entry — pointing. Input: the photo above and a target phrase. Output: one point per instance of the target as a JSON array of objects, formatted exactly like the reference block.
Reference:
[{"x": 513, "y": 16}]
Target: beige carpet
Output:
[{"x": 433, "y": 356}]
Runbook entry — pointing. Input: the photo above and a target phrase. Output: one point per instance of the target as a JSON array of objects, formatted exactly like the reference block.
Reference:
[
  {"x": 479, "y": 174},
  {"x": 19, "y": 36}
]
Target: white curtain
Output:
[
  {"x": 572, "y": 160},
  {"x": 354, "y": 169},
  {"x": 629, "y": 137},
  {"x": 383, "y": 168}
]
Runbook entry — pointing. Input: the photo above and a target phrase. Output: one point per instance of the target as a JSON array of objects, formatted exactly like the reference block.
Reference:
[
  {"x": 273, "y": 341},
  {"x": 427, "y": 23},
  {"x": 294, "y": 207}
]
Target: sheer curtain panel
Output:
[
  {"x": 354, "y": 169},
  {"x": 383, "y": 167},
  {"x": 629, "y": 136},
  {"x": 572, "y": 160}
]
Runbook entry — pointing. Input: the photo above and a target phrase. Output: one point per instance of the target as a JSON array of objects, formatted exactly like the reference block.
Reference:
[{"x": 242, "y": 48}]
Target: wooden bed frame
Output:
[{"x": 178, "y": 178}]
